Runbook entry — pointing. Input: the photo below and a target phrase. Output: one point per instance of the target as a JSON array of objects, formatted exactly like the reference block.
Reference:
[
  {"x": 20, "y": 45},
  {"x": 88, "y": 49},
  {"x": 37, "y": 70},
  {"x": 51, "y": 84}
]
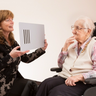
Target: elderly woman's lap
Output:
[
  {"x": 49, "y": 84},
  {"x": 64, "y": 90}
]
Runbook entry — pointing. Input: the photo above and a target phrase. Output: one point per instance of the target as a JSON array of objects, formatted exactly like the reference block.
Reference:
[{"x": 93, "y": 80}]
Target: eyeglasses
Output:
[
  {"x": 8, "y": 20},
  {"x": 77, "y": 28}
]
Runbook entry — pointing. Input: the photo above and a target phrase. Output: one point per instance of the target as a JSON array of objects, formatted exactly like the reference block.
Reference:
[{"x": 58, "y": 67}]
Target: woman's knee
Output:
[
  {"x": 31, "y": 84},
  {"x": 47, "y": 82},
  {"x": 55, "y": 92},
  {"x": 30, "y": 88}
]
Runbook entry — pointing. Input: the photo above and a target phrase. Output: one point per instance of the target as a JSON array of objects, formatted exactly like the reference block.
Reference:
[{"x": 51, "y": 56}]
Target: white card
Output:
[{"x": 31, "y": 36}]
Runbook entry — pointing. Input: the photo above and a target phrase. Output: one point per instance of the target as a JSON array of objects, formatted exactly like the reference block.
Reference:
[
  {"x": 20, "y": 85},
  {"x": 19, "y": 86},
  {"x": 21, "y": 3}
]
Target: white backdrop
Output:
[{"x": 57, "y": 16}]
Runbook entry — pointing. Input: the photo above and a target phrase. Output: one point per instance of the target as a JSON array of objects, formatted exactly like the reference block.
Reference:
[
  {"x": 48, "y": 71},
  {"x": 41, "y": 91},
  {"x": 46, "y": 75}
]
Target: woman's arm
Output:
[
  {"x": 61, "y": 58},
  {"x": 64, "y": 52},
  {"x": 92, "y": 73},
  {"x": 27, "y": 58}
]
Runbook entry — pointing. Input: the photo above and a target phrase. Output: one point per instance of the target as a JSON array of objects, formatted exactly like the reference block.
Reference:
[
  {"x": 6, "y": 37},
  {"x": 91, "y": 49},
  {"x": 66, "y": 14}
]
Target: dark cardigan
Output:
[{"x": 9, "y": 66}]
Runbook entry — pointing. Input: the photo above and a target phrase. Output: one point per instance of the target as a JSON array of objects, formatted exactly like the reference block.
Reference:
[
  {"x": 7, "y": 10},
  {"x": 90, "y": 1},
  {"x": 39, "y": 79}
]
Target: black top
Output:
[{"x": 9, "y": 65}]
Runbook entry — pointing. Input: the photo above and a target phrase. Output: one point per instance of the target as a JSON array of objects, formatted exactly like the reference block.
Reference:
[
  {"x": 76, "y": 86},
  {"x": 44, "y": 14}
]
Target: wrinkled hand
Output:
[
  {"x": 68, "y": 42},
  {"x": 16, "y": 53},
  {"x": 45, "y": 45},
  {"x": 71, "y": 81}
]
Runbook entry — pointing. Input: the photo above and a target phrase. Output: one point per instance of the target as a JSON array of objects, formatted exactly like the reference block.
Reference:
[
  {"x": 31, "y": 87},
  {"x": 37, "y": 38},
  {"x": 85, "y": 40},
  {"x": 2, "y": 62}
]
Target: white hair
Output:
[{"x": 88, "y": 23}]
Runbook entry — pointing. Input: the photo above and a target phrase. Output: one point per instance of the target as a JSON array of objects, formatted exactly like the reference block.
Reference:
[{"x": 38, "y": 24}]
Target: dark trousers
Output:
[
  {"x": 90, "y": 92},
  {"x": 55, "y": 86},
  {"x": 23, "y": 87}
]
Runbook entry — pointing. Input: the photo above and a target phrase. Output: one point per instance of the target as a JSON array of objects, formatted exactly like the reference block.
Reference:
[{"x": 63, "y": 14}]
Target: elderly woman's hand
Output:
[
  {"x": 45, "y": 45},
  {"x": 68, "y": 42},
  {"x": 16, "y": 53},
  {"x": 71, "y": 81}
]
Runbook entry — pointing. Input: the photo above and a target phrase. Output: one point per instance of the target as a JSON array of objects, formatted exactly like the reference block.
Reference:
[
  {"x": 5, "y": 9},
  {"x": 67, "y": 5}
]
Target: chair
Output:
[{"x": 90, "y": 91}]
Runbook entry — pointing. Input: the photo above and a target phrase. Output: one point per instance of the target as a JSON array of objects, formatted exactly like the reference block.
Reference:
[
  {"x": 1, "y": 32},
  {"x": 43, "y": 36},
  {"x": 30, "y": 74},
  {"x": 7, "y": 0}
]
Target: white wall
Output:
[{"x": 57, "y": 16}]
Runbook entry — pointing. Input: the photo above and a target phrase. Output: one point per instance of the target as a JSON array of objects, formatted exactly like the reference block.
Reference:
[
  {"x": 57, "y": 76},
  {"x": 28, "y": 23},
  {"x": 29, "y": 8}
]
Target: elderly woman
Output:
[
  {"x": 11, "y": 82},
  {"x": 78, "y": 62}
]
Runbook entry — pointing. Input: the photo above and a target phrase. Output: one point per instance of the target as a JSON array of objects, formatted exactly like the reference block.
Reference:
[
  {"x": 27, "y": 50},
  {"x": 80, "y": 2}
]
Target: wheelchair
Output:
[{"x": 90, "y": 91}]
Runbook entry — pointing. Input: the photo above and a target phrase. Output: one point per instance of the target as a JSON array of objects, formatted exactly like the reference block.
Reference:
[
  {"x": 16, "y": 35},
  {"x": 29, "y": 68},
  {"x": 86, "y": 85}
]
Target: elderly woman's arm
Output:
[
  {"x": 64, "y": 51},
  {"x": 61, "y": 58},
  {"x": 92, "y": 73}
]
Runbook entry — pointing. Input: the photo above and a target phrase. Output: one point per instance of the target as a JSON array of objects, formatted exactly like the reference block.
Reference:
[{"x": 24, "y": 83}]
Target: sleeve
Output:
[
  {"x": 27, "y": 58},
  {"x": 61, "y": 58},
  {"x": 92, "y": 73}
]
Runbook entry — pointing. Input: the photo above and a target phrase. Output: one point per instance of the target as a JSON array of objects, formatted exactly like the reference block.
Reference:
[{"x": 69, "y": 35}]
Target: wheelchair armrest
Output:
[
  {"x": 57, "y": 69},
  {"x": 87, "y": 81},
  {"x": 91, "y": 81}
]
